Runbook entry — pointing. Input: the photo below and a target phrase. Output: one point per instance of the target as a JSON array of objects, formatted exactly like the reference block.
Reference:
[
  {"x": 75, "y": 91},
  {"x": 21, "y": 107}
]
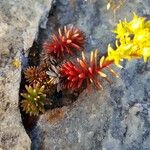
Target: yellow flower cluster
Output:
[{"x": 133, "y": 40}]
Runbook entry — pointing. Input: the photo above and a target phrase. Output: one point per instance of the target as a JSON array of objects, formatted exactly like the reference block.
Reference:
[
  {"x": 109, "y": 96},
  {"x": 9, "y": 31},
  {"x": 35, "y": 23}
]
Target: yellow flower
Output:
[
  {"x": 136, "y": 23},
  {"x": 121, "y": 30},
  {"x": 142, "y": 36},
  {"x": 146, "y": 53},
  {"x": 114, "y": 55},
  {"x": 134, "y": 40},
  {"x": 147, "y": 24}
]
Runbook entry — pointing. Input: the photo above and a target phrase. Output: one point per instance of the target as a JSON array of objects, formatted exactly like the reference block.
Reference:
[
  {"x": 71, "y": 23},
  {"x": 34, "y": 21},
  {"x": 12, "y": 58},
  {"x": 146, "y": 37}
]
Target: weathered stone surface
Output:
[
  {"x": 117, "y": 118},
  {"x": 84, "y": 126},
  {"x": 19, "y": 22}
]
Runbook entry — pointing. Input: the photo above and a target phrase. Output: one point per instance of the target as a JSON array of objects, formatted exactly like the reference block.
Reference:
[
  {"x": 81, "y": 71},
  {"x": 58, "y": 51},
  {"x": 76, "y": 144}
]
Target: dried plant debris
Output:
[
  {"x": 53, "y": 72},
  {"x": 115, "y": 5}
]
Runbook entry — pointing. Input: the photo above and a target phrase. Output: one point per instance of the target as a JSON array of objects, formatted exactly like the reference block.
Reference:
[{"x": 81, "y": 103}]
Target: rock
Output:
[
  {"x": 130, "y": 125},
  {"x": 117, "y": 117},
  {"x": 84, "y": 125},
  {"x": 19, "y": 22}
]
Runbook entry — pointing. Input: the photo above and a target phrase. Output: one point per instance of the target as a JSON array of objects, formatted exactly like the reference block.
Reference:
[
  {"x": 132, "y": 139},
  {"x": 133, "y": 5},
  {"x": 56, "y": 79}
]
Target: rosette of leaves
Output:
[
  {"x": 34, "y": 99},
  {"x": 38, "y": 74},
  {"x": 67, "y": 41},
  {"x": 35, "y": 74},
  {"x": 84, "y": 71}
]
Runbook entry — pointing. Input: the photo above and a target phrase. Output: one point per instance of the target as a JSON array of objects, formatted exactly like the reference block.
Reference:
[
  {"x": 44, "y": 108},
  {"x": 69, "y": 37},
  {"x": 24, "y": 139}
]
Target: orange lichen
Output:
[{"x": 55, "y": 115}]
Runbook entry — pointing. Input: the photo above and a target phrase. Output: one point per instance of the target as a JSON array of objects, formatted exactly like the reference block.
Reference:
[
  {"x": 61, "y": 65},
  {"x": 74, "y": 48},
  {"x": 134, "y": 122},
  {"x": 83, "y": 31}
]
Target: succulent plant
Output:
[
  {"x": 38, "y": 75},
  {"x": 68, "y": 40},
  {"x": 34, "y": 99},
  {"x": 132, "y": 40},
  {"x": 75, "y": 74},
  {"x": 35, "y": 74}
]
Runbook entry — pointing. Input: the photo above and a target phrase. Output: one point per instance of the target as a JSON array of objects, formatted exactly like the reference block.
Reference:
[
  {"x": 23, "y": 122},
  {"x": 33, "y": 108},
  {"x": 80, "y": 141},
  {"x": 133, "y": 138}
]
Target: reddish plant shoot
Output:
[
  {"x": 83, "y": 71},
  {"x": 68, "y": 40}
]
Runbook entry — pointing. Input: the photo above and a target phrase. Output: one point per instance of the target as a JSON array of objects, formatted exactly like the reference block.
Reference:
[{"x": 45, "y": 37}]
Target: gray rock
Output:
[
  {"x": 19, "y": 22},
  {"x": 113, "y": 119},
  {"x": 117, "y": 118},
  {"x": 84, "y": 125}
]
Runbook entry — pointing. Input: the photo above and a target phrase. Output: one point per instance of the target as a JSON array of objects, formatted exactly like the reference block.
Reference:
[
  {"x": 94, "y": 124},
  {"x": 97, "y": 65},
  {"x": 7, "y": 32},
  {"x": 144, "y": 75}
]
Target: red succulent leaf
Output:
[
  {"x": 75, "y": 74},
  {"x": 66, "y": 41}
]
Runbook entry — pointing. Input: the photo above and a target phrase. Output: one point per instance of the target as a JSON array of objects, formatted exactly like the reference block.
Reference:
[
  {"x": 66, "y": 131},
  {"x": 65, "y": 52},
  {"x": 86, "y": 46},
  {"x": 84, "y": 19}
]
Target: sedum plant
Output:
[
  {"x": 133, "y": 40},
  {"x": 83, "y": 71},
  {"x": 35, "y": 74},
  {"x": 67, "y": 41},
  {"x": 34, "y": 99}
]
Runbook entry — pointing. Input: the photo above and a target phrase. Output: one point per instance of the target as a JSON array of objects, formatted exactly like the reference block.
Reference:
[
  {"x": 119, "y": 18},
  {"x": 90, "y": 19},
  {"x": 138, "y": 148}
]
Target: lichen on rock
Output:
[{"x": 19, "y": 22}]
